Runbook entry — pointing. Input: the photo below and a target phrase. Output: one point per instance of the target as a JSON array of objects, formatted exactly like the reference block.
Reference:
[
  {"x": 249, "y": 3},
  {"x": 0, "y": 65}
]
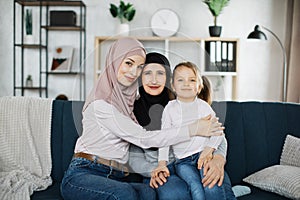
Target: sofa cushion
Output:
[
  {"x": 281, "y": 179},
  {"x": 291, "y": 151}
]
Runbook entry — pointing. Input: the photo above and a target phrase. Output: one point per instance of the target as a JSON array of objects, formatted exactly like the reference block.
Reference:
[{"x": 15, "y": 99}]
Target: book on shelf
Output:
[
  {"x": 221, "y": 56},
  {"x": 231, "y": 66}
]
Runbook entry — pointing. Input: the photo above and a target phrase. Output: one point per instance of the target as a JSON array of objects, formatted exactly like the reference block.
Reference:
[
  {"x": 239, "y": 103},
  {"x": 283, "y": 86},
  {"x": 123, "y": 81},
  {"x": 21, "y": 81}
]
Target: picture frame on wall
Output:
[{"x": 62, "y": 59}]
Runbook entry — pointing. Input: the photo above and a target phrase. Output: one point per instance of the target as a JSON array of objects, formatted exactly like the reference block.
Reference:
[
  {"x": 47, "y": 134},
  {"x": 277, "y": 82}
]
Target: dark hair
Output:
[{"x": 205, "y": 93}]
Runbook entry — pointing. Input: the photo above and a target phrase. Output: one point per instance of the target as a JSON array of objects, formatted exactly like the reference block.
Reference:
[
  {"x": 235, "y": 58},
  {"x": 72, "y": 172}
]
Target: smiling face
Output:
[
  {"x": 186, "y": 84},
  {"x": 154, "y": 78},
  {"x": 130, "y": 69}
]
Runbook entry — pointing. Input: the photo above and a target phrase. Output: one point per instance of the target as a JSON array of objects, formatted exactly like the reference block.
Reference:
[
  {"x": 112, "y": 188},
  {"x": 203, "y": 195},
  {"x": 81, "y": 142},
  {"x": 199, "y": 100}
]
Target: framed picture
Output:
[{"x": 62, "y": 59}]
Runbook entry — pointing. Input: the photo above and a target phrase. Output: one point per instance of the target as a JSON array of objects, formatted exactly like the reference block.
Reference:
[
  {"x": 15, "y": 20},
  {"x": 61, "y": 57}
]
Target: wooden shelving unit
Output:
[{"x": 178, "y": 49}]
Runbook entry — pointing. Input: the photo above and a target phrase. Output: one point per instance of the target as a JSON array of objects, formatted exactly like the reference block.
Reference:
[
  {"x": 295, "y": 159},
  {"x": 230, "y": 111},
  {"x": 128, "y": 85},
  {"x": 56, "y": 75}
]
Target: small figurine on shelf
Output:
[{"x": 29, "y": 82}]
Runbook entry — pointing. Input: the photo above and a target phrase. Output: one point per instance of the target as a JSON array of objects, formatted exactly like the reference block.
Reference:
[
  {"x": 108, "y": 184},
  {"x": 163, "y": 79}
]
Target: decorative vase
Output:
[
  {"x": 215, "y": 31},
  {"x": 123, "y": 29}
]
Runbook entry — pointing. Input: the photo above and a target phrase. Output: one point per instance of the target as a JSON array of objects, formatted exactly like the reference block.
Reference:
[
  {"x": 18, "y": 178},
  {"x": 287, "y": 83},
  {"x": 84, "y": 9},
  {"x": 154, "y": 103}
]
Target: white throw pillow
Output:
[
  {"x": 291, "y": 151},
  {"x": 280, "y": 179}
]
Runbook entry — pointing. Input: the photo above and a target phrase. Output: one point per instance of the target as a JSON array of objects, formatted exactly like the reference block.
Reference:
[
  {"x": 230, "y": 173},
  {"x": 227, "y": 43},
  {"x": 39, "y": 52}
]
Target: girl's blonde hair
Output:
[{"x": 204, "y": 83}]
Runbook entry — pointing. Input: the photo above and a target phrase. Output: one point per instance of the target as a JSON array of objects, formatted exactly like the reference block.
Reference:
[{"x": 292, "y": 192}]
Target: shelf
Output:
[
  {"x": 50, "y": 3},
  {"x": 31, "y": 88},
  {"x": 149, "y": 38},
  {"x": 63, "y": 73},
  {"x": 64, "y": 28},
  {"x": 31, "y": 46},
  {"x": 38, "y": 64},
  {"x": 219, "y": 73},
  {"x": 221, "y": 39}
]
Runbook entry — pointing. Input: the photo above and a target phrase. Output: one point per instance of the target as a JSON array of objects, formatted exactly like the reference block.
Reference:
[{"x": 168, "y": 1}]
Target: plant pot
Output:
[
  {"x": 215, "y": 31},
  {"x": 123, "y": 30},
  {"x": 28, "y": 39}
]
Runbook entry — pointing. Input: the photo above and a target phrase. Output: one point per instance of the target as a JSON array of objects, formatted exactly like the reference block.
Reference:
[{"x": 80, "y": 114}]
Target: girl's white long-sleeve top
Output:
[
  {"x": 178, "y": 113},
  {"x": 107, "y": 133}
]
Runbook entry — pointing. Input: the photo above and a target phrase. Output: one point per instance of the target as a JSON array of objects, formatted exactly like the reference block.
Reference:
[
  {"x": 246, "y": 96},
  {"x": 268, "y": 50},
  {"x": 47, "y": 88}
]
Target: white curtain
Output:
[{"x": 293, "y": 90}]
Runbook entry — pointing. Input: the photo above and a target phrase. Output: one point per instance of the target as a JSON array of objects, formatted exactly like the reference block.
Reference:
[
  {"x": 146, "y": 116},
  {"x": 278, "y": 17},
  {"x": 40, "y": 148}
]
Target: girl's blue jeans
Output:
[
  {"x": 174, "y": 189},
  {"x": 89, "y": 180},
  {"x": 186, "y": 169}
]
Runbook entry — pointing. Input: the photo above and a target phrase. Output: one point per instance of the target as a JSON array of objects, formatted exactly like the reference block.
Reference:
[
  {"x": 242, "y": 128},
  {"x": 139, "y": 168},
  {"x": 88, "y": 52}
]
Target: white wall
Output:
[{"x": 260, "y": 63}]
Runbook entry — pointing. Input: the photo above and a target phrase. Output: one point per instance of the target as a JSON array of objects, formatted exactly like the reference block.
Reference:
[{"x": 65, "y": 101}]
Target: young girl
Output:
[{"x": 191, "y": 155}]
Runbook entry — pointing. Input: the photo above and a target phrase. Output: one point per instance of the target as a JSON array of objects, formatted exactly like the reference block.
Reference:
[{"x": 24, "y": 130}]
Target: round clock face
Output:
[{"x": 165, "y": 23}]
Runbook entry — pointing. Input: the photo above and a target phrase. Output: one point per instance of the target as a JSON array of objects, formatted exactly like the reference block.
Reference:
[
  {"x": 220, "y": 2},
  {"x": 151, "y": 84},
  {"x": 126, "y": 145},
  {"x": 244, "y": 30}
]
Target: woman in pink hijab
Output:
[{"x": 98, "y": 169}]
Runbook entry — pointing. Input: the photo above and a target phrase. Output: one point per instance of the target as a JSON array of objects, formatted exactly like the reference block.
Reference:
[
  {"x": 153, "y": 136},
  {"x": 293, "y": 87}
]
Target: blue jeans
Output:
[
  {"x": 174, "y": 189},
  {"x": 186, "y": 169},
  {"x": 86, "y": 179},
  {"x": 228, "y": 188}
]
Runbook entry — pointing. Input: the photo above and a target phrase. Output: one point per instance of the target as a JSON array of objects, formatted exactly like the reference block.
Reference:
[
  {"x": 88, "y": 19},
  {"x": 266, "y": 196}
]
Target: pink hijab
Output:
[{"x": 107, "y": 87}]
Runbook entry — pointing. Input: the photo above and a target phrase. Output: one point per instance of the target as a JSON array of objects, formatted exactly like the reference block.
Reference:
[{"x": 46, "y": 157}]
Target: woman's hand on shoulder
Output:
[{"x": 206, "y": 126}]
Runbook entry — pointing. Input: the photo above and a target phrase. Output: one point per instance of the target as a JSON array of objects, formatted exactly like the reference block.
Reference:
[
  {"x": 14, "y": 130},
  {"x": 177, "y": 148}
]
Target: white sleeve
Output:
[
  {"x": 125, "y": 128},
  {"x": 163, "y": 153}
]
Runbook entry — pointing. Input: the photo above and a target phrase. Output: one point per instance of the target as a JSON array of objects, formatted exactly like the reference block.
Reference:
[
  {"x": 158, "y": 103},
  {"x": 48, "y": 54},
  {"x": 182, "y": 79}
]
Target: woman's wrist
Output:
[
  {"x": 192, "y": 129},
  {"x": 220, "y": 158}
]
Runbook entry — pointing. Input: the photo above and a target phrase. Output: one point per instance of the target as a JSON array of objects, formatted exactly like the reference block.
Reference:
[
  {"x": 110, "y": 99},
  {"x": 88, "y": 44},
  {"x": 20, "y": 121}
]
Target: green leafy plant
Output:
[
  {"x": 28, "y": 22},
  {"x": 216, "y": 7},
  {"x": 125, "y": 12}
]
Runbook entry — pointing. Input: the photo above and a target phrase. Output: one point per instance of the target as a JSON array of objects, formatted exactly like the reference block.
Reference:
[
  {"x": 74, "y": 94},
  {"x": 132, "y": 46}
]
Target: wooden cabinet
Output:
[
  {"x": 216, "y": 57},
  {"x": 33, "y": 57}
]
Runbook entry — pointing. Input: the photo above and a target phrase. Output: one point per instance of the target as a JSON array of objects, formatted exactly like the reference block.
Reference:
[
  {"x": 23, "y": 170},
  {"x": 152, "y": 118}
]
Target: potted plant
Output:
[
  {"x": 29, "y": 81},
  {"x": 125, "y": 13},
  {"x": 215, "y": 7},
  {"x": 28, "y": 26}
]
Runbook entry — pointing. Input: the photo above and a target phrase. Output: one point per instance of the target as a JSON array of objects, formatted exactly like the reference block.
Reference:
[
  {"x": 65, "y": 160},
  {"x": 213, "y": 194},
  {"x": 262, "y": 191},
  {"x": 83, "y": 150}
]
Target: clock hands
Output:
[{"x": 162, "y": 19}]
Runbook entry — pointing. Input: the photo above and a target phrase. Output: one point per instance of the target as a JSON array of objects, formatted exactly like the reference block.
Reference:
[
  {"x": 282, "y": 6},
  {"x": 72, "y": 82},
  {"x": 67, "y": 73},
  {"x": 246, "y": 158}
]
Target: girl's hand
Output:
[
  {"x": 158, "y": 181},
  {"x": 205, "y": 156},
  {"x": 207, "y": 126},
  {"x": 162, "y": 167}
]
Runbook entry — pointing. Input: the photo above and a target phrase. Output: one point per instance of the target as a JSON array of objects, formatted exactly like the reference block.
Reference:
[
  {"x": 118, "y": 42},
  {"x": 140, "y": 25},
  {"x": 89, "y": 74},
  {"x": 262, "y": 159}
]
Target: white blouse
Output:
[
  {"x": 178, "y": 113},
  {"x": 108, "y": 133}
]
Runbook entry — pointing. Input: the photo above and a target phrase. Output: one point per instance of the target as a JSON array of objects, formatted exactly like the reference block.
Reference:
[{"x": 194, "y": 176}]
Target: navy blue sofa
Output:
[{"x": 255, "y": 132}]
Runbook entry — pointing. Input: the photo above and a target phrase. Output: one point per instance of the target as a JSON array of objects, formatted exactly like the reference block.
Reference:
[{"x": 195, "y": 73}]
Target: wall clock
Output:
[{"x": 165, "y": 22}]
